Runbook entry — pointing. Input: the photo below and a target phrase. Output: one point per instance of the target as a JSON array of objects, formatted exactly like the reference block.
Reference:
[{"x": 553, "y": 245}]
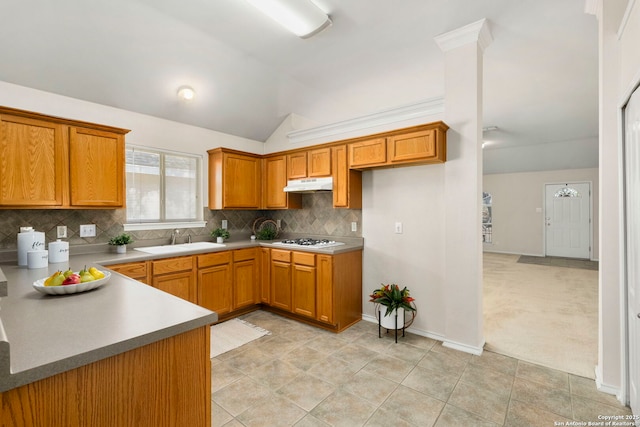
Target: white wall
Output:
[
  {"x": 517, "y": 227},
  {"x": 145, "y": 130}
]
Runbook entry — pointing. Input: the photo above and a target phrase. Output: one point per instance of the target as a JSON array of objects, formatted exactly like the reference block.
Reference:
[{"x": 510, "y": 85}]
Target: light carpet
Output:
[
  {"x": 232, "y": 334},
  {"x": 541, "y": 314}
]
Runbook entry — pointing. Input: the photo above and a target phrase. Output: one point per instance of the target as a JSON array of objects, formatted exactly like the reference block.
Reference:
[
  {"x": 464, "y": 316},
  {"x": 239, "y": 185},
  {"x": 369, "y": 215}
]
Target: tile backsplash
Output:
[{"x": 317, "y": 217}]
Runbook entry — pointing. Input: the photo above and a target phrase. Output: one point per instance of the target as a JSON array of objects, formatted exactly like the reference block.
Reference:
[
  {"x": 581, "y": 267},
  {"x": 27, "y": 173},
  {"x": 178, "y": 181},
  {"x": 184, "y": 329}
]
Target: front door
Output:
[
  {"x": 632, "y": 225},
  {"x": 568, "y": 220}
]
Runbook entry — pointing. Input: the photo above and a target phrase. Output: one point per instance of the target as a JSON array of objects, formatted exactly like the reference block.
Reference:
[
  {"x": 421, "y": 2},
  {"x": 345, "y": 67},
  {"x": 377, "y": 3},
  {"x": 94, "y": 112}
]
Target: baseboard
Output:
[
  {"x": 511, "y": 253},
  {"x": 438, "y": 337},
  {"x": 608, "y": 389}
]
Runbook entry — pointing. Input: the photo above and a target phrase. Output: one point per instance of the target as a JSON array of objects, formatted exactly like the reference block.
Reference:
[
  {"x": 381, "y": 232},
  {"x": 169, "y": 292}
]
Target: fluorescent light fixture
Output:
[
  {"x": 302, "y": 17},
  {"x": 186, "y": 93}
]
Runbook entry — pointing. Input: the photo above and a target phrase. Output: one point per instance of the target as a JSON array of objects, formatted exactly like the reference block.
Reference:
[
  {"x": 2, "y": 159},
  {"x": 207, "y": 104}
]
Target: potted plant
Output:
[
  {"x": 120, "y": 242},
  {"x": 220, "y": 234},
  {"x": 394, "y": 302}
]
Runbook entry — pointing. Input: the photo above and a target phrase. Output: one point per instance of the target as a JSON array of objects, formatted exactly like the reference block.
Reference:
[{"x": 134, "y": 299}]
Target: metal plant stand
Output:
[{"x": 405, "y": 324}]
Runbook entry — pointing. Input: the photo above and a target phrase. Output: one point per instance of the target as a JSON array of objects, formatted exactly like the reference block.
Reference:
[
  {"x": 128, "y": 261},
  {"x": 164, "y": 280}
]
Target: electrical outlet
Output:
[
  {"x": 88, "y": 230},
  {"x": 354, "y": 226},
  {"x": 61, "y": 232},
  {"x": 225, "y": 224},
  {"x": 398, "y": 228},
  {"x": 279, "y": 223}
]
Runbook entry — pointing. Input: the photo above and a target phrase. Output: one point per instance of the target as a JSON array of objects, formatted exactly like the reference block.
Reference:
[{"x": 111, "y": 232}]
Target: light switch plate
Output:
[
  {"x": 398, "y": 228},
  {"x": 225, "y": 224},
  {"x": 354, "y": 226},
  {"x": 61, "y": 232},
  {"x": 88, "y": 230}
]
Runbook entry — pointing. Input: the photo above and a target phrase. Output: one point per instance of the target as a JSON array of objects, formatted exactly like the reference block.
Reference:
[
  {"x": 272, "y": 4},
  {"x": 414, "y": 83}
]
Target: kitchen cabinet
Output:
[
  {"x": 264, "y": 256},
  {"x": 281, "y": 279},
  {"x": 234, "y": 179},
  {"x": 136, "y": 270},
  {"x": 368, "y": 153},
  {"x": 215, "y": 282},
  {"x": 297, "y": 165},
  {"x": 175, "y": 276},
  {"x": 245, "y": 278},
  {"x": 324, "y": 305},
  {"x": 303, "y": 284},
  {"x": 339, "y": 301},
  {"x": 309, "y": 164},
  {"x": 55, "y": 163},
  {"x": 347, "y": 183},
  {"x": 412, "y": 146},
  {"x": 275, "y": 179}
]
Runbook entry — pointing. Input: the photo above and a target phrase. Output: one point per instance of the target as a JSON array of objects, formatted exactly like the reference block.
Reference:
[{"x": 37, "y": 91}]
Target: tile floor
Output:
[{"x": 304, "y": 376}]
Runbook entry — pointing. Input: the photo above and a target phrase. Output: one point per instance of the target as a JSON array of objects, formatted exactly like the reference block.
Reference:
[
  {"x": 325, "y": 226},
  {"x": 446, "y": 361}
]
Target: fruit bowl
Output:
[{"x": 39, "y": 286}]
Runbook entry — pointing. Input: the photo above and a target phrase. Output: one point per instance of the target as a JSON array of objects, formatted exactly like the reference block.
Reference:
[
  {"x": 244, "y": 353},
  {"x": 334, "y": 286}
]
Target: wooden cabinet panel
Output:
[
  {"x": 297, "y": 165},
  {"x": 96, "y": 164},
  {"x": 135, "y": 270},
  {"x": 265, "y": 275},
  {"x": 245, "y": 283},
  {"x": 368, "y": 153},
  {"x": 216, "y": 258},
  {"x": 172, "y": 265},
  {"x": 280, "y": 255},
  {"x": 412, "y": 146},
  {"x": 303, "y": 289},
  {"x": 181, "y": 285},
  {"x": 304, "y": 258},
  {"x": 275, "y": 178},
  {"x": 32, "y": 164},
  {"x": 234, "y": 180},
  {"x": 280, "y": 284},
  {"x": 324, "y": 295},
  {"x": 215, "y": 288},
  {"x": 319, "y": 162},
  {"x": 347, "y": 183}
]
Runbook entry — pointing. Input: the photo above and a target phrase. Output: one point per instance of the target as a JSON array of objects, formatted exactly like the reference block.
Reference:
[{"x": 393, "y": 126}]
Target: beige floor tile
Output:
[
  {"x": 586, "y": 387},
  {"x": 419, "y": 341},
  {"x": 222, "y": 375},
  {"x": 489, "y": 379},
  {"x": 334, "y": 370},
  {"x": 521, "y": 414},
  {"x": 274, "y": 412},
  {"x": 344, "y": 409},
  {"x": 433, "y": 383},
  {"x": 249, "y": 358},
  {"x": 456, "y": 354},
  {"x": 219, "y": 416},
  {"x": 371, "y": 387},
  {"x": 355, "y": 354},
  {"x": 452, "y": 416},
  {"x": 326, "y": 343},
  {"x": 543, "y": 375},
  {"x": 385, "y": 418},
  {"x": 389, "y": 367},
  {"x": 372, "y": 342},
  {"x": 413, "y": 407},
  {"x": 310, "y": 421},
  {"x": 590, "y": 410},
  {"x": 406, "y": 352},
  {"x": 441, "y": 362},
  {"x": 274, "y": 374},
  {"x": 304, "y": 357},
  {"x": 505, "y": 364},
  {"x": 542, "y": 396},
  {"x": 306, "y": 391},
  {"x": 276, "y": 346},
  {"x": 240, "y": 395},
  {"x": 233, "y": 423},
  {"x": 477, "y": 400}
]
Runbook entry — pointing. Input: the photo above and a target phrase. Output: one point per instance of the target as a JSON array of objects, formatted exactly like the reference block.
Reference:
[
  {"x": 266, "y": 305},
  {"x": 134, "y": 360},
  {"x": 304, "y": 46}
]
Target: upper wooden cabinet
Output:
[
  {"x": 275, "y": 179},
  {"x": 368, "y": 153},
  {"x": 234, "y": 179},
  {"x": 347, "y": 183},
  {"x": 414, "y": 146},
  {"x": 297, "y": 165},
  {"x": 49, "y": 162},
  {"x": 309, "y": 164}
]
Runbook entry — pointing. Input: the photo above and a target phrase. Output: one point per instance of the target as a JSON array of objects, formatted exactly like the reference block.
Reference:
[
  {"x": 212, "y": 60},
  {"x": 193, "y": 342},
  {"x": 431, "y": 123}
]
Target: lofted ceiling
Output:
[{"x": 540, "y": 72}]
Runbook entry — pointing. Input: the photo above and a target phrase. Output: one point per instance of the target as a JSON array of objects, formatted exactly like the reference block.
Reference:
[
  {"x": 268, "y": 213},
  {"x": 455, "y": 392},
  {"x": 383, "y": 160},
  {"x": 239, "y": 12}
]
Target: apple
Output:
[{"x": 72, "y": 279}]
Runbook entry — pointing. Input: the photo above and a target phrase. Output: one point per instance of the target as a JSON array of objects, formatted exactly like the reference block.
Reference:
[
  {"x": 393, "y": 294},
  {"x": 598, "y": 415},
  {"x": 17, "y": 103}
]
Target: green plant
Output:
[
  {"x": 221, "y": 232},
  {"x": 121, "y": 239},
  {"x": 266, "y": 233},
  {"x": 393, "y": 298}
]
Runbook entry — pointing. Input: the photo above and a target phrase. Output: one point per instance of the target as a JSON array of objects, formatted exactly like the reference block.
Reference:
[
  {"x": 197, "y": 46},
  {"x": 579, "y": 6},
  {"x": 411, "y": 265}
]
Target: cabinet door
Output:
[
  {"x": 241, "y": 181},
  {"x": 32, "y": 164},
  {"x": 181, "y": 285},
  {"x": 134, "y": 270},
  {"x": 96, "y": 165},
  {"x": 368, "y": 153},
  {"x": 275, "y": 172},
  {"x": 412, "y": 146},
  {"x": 245, "y": 283},
  {"x": 347, "y": 183},
  {"x": 281, "y": 285},
  {"x": 297, "y": 165},
  {"x": 303, "y": 287},
  {"x": 319, "y": 162},
  {"x": 324, "y": 302},
  {"x": 265, "y": 275},
  {"x": 214, "y": 288}
]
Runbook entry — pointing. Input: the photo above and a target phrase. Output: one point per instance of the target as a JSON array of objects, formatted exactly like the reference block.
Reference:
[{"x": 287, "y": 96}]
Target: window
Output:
[
  {"x": 487, "y": 218},
  {"x": 162, "y": 186}
]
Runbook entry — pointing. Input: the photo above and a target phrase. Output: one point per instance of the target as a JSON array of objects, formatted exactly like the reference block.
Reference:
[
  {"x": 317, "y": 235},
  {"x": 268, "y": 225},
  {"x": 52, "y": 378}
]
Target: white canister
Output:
[
  {"x": 37, "y": 259},
  {"x": 58, "y": 251},
  {"x": 28, "y": 240}
]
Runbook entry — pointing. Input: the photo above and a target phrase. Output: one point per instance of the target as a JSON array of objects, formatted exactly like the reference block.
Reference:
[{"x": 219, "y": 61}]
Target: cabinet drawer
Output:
[
  {"x": 304, "y": 258},
  {"x": 132, "y": 269},
  {"x": 172, "y": 265},
  {"x": 280, "y": 255},
  {"x": 218, "y": 258},
  {"x": 244, "y": 254}
]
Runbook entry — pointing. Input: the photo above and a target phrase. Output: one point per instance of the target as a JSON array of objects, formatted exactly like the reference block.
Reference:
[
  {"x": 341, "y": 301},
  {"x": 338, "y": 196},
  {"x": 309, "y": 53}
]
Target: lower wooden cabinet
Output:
[
  {"x": 245, "y": 278},
  {"x": 303, "y": 284},
  {"x": 281, "y": 279},
  {"x": 215, "y": 282},
  {"x": 176, "y": 277},
  {"x": 264, "y": 256},
  {"x": 134, "y": 270}
]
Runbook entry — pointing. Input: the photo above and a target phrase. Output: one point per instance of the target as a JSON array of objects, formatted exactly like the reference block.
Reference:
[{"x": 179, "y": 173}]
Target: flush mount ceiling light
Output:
[
  {"x": 186, "y": 93},
  {"x": 302, "y": 17}
]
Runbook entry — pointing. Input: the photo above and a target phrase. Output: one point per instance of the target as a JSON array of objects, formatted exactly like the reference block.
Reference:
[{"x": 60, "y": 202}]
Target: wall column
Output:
[{"x": 463, "y": 49}]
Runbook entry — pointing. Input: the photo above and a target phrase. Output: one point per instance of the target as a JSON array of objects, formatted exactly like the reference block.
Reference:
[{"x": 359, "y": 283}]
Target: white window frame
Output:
[{"x": 198, "y": 222}]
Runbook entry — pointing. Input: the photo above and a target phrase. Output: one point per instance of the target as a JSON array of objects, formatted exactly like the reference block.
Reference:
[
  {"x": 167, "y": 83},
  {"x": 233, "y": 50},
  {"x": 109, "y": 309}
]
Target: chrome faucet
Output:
[
  {"x": 174, "y": 235},
  {"x": 188, "y": 238}
]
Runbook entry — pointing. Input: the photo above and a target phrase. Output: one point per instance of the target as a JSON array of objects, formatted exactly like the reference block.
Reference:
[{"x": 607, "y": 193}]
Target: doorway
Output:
[{"x": 568, "y": 220}]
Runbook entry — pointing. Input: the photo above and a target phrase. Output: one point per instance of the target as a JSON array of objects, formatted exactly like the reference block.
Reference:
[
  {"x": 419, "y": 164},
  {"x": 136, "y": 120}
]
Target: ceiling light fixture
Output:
[
  {"x": 489, "y": 128},
  {"x": 186, "y": 93},
  {"x": 302, "y": 17}
]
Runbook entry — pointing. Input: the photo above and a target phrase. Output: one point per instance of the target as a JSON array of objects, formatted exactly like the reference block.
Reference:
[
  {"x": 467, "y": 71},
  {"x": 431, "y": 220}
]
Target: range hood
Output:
[{"x": 309, "y": 185}]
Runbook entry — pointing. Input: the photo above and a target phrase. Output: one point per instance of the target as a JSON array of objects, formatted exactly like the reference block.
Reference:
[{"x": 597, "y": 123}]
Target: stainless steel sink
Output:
[{"x": 184, "y": 247}]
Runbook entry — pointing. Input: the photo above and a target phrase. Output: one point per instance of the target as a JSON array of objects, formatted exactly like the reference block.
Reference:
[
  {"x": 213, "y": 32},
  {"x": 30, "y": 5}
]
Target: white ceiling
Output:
[{"x": 540, "y": 71}]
